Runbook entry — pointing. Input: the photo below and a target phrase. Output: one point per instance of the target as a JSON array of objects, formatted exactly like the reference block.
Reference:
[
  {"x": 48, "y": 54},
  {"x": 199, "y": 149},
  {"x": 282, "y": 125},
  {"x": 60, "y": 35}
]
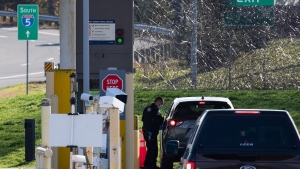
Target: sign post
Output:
[{"x": 28, "y": 26}]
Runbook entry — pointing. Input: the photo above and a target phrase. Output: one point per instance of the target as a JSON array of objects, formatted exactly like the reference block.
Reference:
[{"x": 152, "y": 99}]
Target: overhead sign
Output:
[
  {"x": 112, "y": 81},
  {"x": 249, "y": 16},
  {"x": 102, "y": 32},
  {"x": 28, "y": 21},
  {"x": 250, "y": 2},
  {"x": 249, "y": 12}
]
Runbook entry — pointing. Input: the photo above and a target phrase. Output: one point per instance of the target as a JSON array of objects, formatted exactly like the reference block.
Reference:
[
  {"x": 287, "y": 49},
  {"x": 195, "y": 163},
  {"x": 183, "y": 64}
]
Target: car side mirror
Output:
[{"x": 172, "y": 147}]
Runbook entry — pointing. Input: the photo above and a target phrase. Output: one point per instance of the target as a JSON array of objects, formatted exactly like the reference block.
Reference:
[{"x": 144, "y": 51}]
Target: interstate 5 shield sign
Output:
[{"x": 27, "y": 20}]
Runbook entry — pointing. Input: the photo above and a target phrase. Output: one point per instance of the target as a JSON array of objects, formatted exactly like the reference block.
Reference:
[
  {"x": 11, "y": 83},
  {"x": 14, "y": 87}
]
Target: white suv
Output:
[{"x": 180, "y": 122}]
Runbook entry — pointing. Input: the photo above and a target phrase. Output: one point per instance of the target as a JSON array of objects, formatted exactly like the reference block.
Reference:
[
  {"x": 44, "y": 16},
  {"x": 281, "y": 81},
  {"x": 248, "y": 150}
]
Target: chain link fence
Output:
[{"x": 217, "y": 46}]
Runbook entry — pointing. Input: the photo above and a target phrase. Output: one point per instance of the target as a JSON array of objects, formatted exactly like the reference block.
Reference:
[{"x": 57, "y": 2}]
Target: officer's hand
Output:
[
  {"x": 160, "y": 127},
  {"x": 149, "y": 133}
]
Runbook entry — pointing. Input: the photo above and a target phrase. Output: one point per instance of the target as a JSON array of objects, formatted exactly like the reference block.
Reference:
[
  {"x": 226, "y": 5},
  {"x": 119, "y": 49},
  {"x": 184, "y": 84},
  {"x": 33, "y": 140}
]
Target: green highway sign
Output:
[
  {"x": 250, "y": 2},
  {"x": 28, "y": 21},
  {"x": 249, "y": 16}
]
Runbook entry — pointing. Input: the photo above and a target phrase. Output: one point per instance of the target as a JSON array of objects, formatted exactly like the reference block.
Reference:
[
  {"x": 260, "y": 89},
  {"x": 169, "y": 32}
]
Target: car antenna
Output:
[{"x": 202, "y": 97}]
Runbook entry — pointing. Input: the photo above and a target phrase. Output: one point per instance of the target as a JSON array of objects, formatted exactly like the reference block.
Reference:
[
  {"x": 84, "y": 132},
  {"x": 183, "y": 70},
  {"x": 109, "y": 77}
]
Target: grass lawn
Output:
[{"x": 16, "y": 106}]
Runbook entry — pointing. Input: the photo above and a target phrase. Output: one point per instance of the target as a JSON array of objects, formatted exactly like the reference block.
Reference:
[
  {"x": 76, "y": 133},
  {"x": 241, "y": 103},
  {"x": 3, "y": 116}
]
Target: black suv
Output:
[
  {"x": 180, "y": 121},
  {"x": 242, "y": 139}
]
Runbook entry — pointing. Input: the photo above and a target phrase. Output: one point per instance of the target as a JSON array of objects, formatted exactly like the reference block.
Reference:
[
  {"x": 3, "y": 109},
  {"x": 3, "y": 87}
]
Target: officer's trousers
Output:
[{"x": 152, "y": 150}]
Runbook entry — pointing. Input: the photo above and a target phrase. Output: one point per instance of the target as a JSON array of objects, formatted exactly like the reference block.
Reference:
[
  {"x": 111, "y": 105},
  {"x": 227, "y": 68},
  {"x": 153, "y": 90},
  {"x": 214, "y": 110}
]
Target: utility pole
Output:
[
  {"x": 67, "y": 13},
  {"x": 67, "y": 28},
  {"x": 194, "y": 43}
]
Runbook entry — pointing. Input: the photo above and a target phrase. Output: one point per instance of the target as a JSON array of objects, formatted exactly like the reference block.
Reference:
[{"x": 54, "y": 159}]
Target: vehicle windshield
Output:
[
  {"x": 195, "y": 108},
  {"x": 248, "y": 132}
]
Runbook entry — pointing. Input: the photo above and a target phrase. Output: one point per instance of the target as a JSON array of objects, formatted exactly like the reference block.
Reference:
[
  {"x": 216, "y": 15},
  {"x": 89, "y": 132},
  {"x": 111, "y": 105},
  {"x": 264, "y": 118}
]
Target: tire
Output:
[{"x": 166, "y": 163}]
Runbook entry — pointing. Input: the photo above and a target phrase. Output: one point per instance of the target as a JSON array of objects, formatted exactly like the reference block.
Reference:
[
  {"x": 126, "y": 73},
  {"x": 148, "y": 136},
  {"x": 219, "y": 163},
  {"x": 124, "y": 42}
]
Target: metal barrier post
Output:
[
  {"x": 46, "y": 111},
  {"x": 29, "y": 139}
]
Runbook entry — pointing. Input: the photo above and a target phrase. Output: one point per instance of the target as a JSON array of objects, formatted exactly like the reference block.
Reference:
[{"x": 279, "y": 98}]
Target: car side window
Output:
[{"x": 170, "y": 110}]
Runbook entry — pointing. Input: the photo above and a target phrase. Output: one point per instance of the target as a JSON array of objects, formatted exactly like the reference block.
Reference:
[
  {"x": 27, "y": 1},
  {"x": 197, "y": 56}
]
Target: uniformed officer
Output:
[{"x": 152, "y": 123}]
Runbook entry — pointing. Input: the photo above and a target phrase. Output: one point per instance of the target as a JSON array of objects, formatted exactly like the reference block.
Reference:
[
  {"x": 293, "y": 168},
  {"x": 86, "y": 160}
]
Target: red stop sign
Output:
[{"x": 112, "y": 81}]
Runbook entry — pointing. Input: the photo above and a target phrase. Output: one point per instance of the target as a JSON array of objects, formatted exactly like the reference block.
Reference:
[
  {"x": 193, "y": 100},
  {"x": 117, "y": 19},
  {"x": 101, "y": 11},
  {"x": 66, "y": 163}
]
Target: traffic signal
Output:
[{"x": 119, "y": 36}]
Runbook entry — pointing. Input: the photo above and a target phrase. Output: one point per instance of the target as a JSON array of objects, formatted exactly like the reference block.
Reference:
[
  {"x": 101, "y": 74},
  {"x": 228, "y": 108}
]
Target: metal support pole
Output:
[
  {"x": 129, "y": 116},
  {"x": 230, "y": 59},
  {"x": 72, "y": 101},
  {"x": 115, "y": 141},
  {"x": 46, "y": 111},
  {"x": 264, "y": 58},
  {"x": 71, "y": 155},
  {"x": 86, "y": 52},
  {"x": 136, "y": 142},
  {"x": 27, "y": 60},
  {"x": 71, "y": 146},
  {"x": 194, "y": 43}
]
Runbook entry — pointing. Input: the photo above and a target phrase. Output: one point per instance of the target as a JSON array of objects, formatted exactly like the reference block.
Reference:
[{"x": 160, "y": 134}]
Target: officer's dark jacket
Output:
[{"x": 152, "y": 119}]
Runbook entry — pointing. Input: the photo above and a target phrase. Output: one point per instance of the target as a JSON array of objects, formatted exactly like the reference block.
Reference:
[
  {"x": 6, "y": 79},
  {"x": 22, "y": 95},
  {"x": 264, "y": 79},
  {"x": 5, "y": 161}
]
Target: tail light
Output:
[
  {"x": 246, "y": 112},
  {"x": 190, "y": 165},
  {"x": 174, "y": 122}
]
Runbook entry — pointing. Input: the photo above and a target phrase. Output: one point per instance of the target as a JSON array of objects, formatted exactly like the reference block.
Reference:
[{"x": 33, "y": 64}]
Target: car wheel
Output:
[{"x": 166, "y": 163}]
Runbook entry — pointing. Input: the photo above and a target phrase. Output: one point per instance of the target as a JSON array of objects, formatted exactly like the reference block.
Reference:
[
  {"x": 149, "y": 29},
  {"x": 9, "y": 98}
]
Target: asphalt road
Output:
[{"x": 13, "y": 55}]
